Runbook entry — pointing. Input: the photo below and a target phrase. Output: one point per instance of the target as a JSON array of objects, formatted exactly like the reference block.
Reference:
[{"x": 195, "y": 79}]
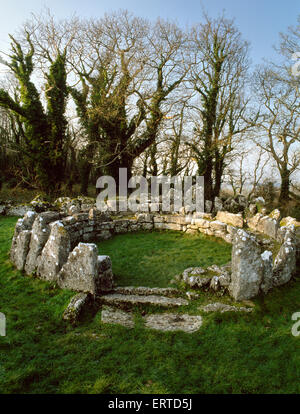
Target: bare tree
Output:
[
  {"x": 247, "y": 170},
  {"x": 128, "y": 69},
  {"x": 279, "y": 122},
  {"x": 218, "y": 75}
]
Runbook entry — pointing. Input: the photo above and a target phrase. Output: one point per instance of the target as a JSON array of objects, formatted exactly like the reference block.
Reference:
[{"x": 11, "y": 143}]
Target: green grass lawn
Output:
[
  {"x": 153, "y": 259},
  {"x": 231, "y": 353}
]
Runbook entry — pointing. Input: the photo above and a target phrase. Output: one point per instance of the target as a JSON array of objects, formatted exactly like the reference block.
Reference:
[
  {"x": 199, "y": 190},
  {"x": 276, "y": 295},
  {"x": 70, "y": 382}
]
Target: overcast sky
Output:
[{"x": 260, "y": 21}]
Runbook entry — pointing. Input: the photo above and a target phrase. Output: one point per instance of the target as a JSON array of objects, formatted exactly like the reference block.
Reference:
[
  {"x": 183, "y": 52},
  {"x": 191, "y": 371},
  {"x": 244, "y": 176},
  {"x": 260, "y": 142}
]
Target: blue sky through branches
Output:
[{"x": 260, "y": 21}]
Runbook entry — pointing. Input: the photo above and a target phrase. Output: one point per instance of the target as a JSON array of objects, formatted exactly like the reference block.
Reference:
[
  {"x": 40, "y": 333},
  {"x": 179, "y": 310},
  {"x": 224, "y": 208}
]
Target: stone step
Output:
[
  {"x": 120, "y": 299},
  {"x": 162, "y": 321},
  {"x": 146, "y": 291}
]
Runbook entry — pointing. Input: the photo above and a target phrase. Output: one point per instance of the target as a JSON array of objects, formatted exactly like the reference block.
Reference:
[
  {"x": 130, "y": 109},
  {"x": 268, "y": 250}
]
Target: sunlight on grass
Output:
[
  {"x": 153, "y": 259},
  {"x": 231, "y": 353}
]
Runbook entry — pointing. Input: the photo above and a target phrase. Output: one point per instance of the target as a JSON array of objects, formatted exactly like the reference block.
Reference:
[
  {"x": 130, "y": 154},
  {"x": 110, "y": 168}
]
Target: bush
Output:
[{"x": 267, "y": 191}]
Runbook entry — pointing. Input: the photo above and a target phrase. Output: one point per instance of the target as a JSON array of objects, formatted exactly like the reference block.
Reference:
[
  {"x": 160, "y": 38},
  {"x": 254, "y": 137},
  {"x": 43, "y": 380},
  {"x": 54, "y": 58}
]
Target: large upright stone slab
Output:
[
  {"x": 39, "y": 237},
  {"x": 285, "y": 261},
  {"x": 83, "y": 270},
  {"x": 22, "y": 224},
  {"x": 22, "y": 248},
  {"x": 247, "y": 266},
  {"x": 55, "y": 252},
  {"x": 267, "y": 281}
]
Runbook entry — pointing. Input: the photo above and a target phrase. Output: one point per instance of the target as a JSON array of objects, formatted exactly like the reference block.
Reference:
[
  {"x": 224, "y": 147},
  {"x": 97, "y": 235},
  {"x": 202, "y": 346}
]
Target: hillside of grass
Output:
[{"x": 231, "y": 353}]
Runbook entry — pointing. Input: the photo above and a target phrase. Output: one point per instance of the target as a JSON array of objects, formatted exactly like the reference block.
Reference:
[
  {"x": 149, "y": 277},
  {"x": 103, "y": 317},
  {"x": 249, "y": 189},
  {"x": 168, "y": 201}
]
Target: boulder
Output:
[
  {"x": 252, "y": 222},
  {"x": 199, "y": 222},
  {"x": 218, "y": 225},
  {"x": 224, "y": 279},
  {"x": 247, "y": 266},
  {"x": 62, "y": 203},
  {"x": 268, "y": 225},
  {"x": 287, "y": 221},
  {"x": 218, "y": 205},
  {"x": 76, "y": 306},
  {"x": 214, "y": 283},
  {"x": 145, "y": 218},
  {"x": 230, "y": 218},
  {"x": 168, "y": 226},
  {"x": 195, "y": 277},
  {"x": 199, "y": 215},
  {"x": 284, "y": 223}
]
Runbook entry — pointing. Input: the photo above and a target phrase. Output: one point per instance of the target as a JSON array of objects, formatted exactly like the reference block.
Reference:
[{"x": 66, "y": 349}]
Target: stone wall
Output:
[{"x": 60, "y": 248}]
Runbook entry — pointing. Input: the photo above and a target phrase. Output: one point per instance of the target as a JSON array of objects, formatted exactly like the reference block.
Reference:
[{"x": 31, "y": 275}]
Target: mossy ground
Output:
[{"x": 231, "y": 353}]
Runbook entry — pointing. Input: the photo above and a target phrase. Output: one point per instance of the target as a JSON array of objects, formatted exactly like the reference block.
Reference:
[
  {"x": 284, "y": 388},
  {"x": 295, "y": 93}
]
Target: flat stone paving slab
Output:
[
  {"x": 165, "y": 322},
  {"x": 112, "y": 315},
  {"x": 168, "y": 322},
  {"x": 143, "y": 290},
  {"x": 117, "y": 298},
  {"x": 222, "y": 307}
]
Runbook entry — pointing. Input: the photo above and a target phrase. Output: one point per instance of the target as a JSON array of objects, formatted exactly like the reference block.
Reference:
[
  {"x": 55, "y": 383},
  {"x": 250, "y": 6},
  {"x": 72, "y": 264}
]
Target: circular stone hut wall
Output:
[{"x": 60, "y": 248}]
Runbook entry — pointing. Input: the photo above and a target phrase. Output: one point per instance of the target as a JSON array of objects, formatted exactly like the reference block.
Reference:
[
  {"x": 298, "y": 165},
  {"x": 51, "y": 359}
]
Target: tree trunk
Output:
[
  {"x": 85, "y": 170},
  {"x": 113, "y": 169},
  {"x": 218, "y": 168},
  {"x": 285, "y": 186}
]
